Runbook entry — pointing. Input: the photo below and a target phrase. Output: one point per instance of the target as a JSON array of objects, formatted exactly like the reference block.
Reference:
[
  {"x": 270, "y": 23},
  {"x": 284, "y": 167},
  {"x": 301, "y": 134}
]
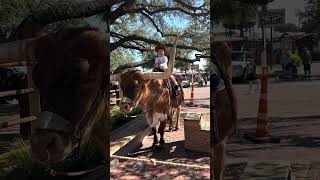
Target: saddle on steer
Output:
[{"x": 173, "y": 88}]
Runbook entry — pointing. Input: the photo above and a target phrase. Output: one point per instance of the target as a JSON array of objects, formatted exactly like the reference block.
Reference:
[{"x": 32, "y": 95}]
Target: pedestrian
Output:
[
  {"x": 285, "y": 60},
  {"x": 307, "y": 61}
]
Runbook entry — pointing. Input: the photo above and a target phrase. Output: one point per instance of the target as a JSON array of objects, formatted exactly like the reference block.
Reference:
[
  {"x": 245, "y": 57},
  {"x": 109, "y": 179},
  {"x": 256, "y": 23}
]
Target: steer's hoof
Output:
[
  {"x": 155, "y": 146},
  {"x": 176, "y": 129},
  {"x": 161, "y": 147}
]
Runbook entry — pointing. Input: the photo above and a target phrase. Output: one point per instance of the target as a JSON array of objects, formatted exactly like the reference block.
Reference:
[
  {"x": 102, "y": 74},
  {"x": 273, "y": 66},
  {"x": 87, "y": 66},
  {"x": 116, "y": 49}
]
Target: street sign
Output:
[{"x": 272, "y": 17}]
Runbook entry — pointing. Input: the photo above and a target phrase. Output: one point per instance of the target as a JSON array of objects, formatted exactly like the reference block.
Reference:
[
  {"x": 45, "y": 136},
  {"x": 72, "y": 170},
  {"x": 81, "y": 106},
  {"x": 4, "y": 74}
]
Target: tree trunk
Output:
[
  {"x": 131, "y": 65},
  {"x": 58, "y": 11}
]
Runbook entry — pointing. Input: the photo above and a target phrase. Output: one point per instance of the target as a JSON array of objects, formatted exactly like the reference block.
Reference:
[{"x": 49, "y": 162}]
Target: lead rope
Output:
[
  {"x": 230, "y": 94},
  {"x": 78, "y": 135}
]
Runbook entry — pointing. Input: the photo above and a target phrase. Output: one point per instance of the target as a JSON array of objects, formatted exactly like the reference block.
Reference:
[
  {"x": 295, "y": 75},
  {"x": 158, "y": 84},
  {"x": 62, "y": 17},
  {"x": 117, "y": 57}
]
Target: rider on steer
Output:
[{"x": 161, "y": 65}]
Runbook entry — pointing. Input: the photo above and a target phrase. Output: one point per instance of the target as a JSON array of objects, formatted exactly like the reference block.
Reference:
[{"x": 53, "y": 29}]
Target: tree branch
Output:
[
  {"x": 134, "y": 37},
  {"x": 127, "y": 8},
  {"x": 135, "y": 48},
  {"x": 154, "y": 24},
  {"x": 121, "y": 10},
  {"x": 166, "y": 9},
  {"x": 58, "y": 11},
  {"x": 121, "y": 68},
  {"x": 189, "y": 6}
]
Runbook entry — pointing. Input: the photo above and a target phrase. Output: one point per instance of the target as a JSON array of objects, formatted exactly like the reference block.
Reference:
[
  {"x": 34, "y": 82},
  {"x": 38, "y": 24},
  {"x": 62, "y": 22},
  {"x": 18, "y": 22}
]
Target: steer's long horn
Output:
[
  {"x": 15, "y": 51},
  {"x": 168, "y": 73}
]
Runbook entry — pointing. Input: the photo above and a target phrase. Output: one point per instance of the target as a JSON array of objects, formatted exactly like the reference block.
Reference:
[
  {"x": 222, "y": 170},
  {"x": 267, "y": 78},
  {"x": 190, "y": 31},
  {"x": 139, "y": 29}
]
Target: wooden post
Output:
[
  {"x": 117, "y": 91},
  {"x": 29, "y": 105}
]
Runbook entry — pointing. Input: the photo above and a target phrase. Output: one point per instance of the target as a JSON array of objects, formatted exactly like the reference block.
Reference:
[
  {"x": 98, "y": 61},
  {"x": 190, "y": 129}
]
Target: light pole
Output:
[{"x": 262, "y": 119}]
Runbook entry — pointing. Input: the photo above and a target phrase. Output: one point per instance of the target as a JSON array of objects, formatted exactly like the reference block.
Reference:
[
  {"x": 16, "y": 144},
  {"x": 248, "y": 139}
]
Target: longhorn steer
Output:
[
  {"x": 149, "y": 91},
  {"x": 70, "y": 75}
]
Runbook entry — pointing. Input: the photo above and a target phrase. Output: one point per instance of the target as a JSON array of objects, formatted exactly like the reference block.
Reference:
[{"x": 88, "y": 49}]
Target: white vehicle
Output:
[
  {"x": 243, "y": 65},
  {"x": 185, "y": 83}
]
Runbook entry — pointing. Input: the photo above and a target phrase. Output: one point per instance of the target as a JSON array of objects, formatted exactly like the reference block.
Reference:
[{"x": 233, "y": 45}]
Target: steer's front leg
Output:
[
  {"x": 155, "y": 138},
  {"x": 161, "y": 131}
]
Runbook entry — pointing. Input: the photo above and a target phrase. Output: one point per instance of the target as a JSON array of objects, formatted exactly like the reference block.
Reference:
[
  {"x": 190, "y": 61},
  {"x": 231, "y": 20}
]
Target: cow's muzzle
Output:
[
  {"x": 53, "y": 122},
  {"x": 51, "y": 140},
  {"x": 126, "y": 105}
]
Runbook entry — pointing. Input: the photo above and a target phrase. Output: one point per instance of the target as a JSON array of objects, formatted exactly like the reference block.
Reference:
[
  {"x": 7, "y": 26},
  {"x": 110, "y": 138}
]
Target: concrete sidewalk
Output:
[{"x": 298, "y": 147}]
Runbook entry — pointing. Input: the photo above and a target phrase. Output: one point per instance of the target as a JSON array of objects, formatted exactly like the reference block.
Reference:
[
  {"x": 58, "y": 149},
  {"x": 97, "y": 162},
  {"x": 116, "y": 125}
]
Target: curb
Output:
[{"x": 128, "y": 137}]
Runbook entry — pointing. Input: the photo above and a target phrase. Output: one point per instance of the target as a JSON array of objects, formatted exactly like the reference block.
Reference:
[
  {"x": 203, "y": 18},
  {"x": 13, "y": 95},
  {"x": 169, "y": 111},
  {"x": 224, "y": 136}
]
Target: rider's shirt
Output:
[{"x": 162, "y": 61}]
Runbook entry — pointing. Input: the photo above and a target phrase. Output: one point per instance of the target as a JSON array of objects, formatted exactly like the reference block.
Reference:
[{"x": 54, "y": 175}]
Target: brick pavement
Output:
[{"x": 173, "y": 152}]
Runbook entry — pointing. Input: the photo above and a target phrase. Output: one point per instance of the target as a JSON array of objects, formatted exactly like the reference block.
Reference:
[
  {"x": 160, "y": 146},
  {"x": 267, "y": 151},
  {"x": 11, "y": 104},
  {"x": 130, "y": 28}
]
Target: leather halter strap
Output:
[
  {"x": 224, "y": 83},
  {"x": 54, "y": 122},
  {"x": 134, "y": 102}
]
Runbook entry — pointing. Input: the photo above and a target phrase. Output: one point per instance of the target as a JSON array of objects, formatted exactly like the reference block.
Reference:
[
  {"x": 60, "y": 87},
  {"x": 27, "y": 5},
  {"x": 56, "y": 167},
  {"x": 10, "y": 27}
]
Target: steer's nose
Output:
[
  {"x": 47, "y": 147},
  {"x": 125, "y": 107},
  {"x": 39, "y": 148}
]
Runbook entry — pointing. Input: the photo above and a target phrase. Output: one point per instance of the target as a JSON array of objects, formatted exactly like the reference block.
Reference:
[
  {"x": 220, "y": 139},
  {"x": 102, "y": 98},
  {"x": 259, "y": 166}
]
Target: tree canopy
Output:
[
  {"x": 235, "y": 14},
  {"x": 136, "y": 25},
  {"x": 310, "y": 15},
  {"x": 149, "y": 23}
]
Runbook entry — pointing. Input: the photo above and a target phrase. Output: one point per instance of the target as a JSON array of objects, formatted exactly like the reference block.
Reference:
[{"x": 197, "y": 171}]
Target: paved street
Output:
[
  {"x": 287, "y": 99},
  {"x": 201, "y": 99},
  {"x": 294, "y": 117}
]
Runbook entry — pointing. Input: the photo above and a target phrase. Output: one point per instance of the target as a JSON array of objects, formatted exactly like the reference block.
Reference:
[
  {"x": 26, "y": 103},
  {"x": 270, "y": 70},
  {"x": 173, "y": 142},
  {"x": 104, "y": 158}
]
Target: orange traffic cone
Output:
[
  {"x": 262, "y": 120},
  {"x": 192, "y": 95}
]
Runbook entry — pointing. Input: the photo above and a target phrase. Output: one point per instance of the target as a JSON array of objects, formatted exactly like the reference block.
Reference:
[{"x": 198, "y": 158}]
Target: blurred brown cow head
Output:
[{"x": 69, "y": 72}]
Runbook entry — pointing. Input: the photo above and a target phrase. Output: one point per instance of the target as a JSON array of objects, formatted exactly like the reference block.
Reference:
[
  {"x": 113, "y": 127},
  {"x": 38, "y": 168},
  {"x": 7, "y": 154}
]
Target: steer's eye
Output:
[{"x": 135, "y": 82}]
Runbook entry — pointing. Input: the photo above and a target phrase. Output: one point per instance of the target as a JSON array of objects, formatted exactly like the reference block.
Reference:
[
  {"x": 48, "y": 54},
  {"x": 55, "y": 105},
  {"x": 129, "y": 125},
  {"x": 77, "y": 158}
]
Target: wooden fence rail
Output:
[
  {"x": 17, "y": 121},
  {"x": 17, "y": 92},
  {"x": 29, "y": 100},
  {"x": 14, "y": 64}
]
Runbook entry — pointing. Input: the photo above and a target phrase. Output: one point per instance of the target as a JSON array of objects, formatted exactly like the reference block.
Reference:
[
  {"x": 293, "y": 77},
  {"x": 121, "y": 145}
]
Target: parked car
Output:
[
  {"x": 243, "y": 65},
  {"x": 185, "y": 83}
]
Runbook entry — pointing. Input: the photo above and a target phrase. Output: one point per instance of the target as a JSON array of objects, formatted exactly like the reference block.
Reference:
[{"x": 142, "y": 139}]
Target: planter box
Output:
[{"x": 197, "y": 132}]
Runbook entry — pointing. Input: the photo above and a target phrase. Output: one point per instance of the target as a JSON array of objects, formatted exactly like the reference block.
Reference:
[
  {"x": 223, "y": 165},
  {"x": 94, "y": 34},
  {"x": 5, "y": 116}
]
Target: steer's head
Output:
[
  {"x": 68, "y": 75},
  {"x": 132, "y": 83}
]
